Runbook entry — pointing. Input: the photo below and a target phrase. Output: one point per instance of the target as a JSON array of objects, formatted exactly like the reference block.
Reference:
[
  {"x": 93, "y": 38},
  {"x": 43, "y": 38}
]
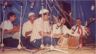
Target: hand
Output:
[
  {"x": 16, "y": 28},
  {"x": 27, "y": 33},
  {"x": 41, "y": 33},
  {"x": 6, "y": 31},
  {"x": 44, "y": 33},
  {"x": 27, "y": 37}
]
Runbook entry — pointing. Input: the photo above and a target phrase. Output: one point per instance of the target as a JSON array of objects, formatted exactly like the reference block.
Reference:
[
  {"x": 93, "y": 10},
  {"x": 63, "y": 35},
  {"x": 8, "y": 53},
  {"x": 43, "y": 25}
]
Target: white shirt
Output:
[
  {"x": 39, "y": 25},
  {"x": 56, "y": 30},
  {"x": 27, "y": 26},
  {"x": 7, "y": 25},
  {"x": 83, "y": 31},
  {"x": 60, "y": 30}
]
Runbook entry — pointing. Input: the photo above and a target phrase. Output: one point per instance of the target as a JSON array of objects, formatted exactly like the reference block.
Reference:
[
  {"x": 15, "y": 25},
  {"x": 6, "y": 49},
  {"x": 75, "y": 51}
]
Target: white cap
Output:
[
  {"x": 31, "y": 13},
  {"x": 42, "y": 11}
]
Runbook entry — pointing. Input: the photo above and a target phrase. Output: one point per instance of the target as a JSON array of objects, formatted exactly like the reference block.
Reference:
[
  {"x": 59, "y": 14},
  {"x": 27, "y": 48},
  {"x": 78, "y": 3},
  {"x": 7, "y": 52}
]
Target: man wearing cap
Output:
[
  {"x": 42, "y": 29},
  {"x": 27, "y": 30}
]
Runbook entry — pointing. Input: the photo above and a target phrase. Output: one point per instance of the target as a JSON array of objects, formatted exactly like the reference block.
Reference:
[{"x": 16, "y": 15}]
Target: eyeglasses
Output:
[{"x": 46, "y": 14}]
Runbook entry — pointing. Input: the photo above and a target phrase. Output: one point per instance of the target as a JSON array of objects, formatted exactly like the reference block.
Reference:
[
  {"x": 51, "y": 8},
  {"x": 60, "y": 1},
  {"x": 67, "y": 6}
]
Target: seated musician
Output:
[
  {"x": 10, "y": 31},
  {"x": 41, "y": 31},
  {"x": 27, "y": 30},
  {"x": 60, "y": 31},
  {"x": 81, "y": 30}
]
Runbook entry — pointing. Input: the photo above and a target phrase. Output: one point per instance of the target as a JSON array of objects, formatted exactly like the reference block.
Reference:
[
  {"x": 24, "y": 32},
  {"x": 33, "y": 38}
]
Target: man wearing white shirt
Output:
[
  {"x": 10, "y": 34},
  {"x": 27, "y": 30},
  {"x": 42, "y": 29},
  {"x": 60, "y": 31},
  {"x": 81, "y": 30}
]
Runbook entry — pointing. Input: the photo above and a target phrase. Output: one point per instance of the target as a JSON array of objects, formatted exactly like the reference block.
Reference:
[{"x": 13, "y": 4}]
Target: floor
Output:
[{"x": 84, "y": 50}]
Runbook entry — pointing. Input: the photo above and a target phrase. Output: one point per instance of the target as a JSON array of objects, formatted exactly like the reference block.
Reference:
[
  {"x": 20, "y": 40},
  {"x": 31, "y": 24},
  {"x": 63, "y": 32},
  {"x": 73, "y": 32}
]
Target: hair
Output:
[
  {"x": 10, "y": 14},
  {"x": 78, "y": 19},
  {"x": 60, "y": 17}
]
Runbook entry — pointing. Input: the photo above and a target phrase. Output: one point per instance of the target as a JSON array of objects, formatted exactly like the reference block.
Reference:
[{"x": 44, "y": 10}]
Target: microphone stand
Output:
[
  {"x": 42, "y": 45},
  {"x": 19, "y": 45},
  {"x": 2, "y": 34}
]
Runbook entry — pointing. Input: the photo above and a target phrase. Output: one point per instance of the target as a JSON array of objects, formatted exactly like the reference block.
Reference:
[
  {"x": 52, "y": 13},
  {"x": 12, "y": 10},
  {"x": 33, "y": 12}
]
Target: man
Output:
[
  {"x": 27, "y": 30},
  {"x": 60, "y": 32},
  {"x": 81, "y": 30},
  {"x": 41, "y": 31},
  {"x": 10, "y": 34}
]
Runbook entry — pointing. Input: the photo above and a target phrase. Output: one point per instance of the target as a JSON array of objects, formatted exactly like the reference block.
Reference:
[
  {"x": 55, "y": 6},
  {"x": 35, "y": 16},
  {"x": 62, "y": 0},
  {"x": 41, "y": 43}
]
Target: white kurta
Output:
[
  {"x": 27, "y": 26},
  {"x": 76, "y": 30},
  {"x": 7, "y": 25},
  {"x": 59, "y": 30},
  {"x": 39, "y": 25}
]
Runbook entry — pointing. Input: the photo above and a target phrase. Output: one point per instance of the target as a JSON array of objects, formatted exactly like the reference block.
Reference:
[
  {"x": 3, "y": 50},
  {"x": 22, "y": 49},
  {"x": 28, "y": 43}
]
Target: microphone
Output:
[
  {"x": 93, "y": 7},
  {"x": 32, "y": 5},
  {"x": 5, "y": 4},
  {"x": 21, "y": 3}
]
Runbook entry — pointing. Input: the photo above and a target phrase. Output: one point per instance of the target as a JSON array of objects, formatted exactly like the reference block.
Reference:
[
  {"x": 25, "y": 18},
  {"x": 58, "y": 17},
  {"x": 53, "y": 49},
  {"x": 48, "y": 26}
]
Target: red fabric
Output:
[{"x": 80, "y": 30}]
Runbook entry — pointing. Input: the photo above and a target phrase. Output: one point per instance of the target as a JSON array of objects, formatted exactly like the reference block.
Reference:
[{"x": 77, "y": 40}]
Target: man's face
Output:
[
  {"x": 45, "y": 16},
  {"x": 32, "y": 17},
  {"x": 78, "y": 22},
  {"x": 13, "y": 18},
  {"x": 63, "y": 21},
  {"x": 58, "y": 23}
]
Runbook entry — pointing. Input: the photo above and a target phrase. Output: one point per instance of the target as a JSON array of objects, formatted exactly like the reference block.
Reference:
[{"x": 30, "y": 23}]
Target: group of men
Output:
[{"x": 37, "y": 32}]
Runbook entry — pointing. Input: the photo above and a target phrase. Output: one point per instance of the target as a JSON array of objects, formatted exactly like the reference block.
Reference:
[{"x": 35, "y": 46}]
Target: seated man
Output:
[
  {"x": 60, "y": 32},
  {"x": 41, "y": 32},
  {"x": 81, "y": 30},
  {"x": 27, "y": 30},
  {"x": 10, "y": 35}
]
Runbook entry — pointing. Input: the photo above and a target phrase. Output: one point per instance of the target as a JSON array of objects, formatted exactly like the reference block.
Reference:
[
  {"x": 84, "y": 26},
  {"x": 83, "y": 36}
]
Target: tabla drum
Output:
[
  {"x": 72, "y": 42},
  {"x": 63, "y": 42}
]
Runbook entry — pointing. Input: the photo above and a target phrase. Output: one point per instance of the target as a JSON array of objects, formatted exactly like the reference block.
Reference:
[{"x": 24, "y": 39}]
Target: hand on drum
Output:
[
  {"x": 62, "y": 42},
  {"x": 16, "y": 28}
]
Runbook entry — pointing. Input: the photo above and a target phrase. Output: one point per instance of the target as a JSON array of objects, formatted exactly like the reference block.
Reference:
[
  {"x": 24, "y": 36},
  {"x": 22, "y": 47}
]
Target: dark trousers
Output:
[
  {"x": 26, "y": 42},
  {"x": 36, "y": 43},
  {"x": 10, "y": 42},
  {"x": 49, "y": 41},
  {"x": 45, "y": 40}
]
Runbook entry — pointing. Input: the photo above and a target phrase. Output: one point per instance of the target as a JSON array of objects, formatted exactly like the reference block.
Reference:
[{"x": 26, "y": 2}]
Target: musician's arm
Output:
[
  {"x": 12, "y": 31},
  {"x": 44, "y": 33},
  {"x": 53, "y": 32},
  {"x": 57, "y": 35},
  {"x": 86, "y": 31}
]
